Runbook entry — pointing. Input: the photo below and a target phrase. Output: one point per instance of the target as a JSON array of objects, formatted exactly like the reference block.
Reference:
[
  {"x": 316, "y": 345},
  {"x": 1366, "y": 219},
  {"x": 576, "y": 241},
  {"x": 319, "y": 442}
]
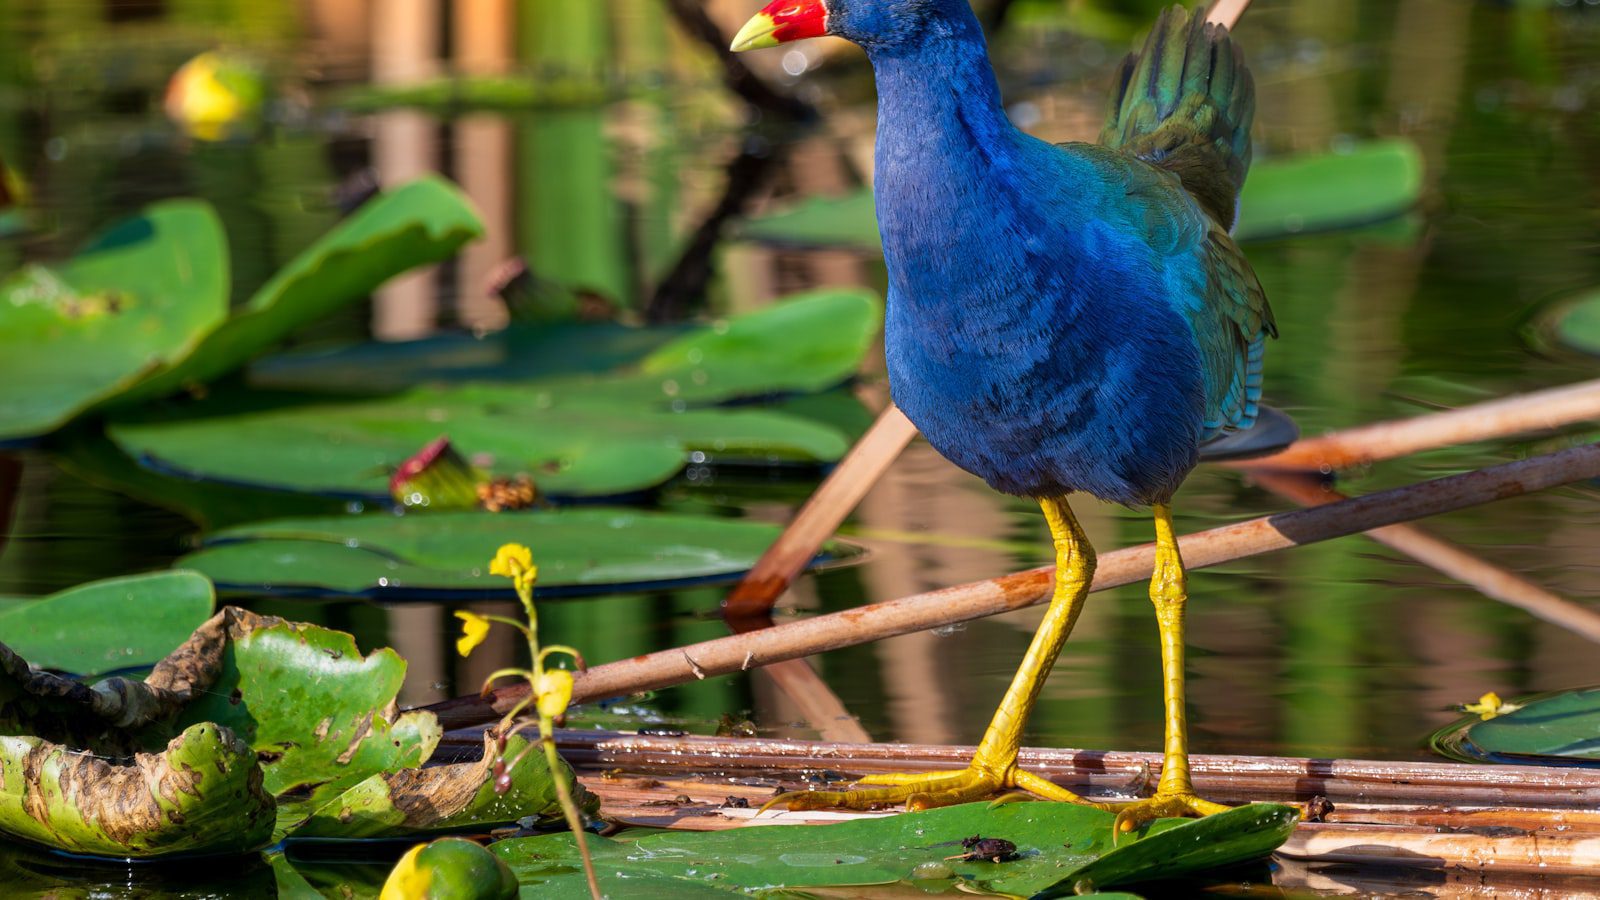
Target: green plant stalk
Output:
[
  {"x": 570, "y": 809},
  {"x": 574, "y": 819}
]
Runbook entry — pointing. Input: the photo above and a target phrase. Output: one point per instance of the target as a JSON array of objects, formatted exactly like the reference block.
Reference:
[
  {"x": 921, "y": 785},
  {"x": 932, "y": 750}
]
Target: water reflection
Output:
[{"x": 1341, "y": 649}]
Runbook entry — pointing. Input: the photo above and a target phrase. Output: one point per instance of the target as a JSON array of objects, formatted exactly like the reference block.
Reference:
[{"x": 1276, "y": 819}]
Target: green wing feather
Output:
[{"x": 1185, "y": 103}]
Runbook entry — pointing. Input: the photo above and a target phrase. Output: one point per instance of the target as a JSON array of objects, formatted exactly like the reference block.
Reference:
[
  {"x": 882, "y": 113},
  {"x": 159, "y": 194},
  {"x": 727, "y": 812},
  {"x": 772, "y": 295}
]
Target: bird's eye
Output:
[{"x": 793, "y": 10}]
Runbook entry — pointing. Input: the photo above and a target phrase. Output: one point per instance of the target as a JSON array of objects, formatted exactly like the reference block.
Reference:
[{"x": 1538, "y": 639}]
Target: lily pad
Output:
[
  {"x": 577, "y": 436},
  {"x": 1551, "y": 729},
  {"x": 519, "y": 352},
  {"x": 423, "y": 222},
  {"x": 1363, "y": 185},
  {"x": 107, "y": 625},
  {"x": 307, "y": 700},
  {"x": 436, "y": 799},
  {"x": 579, "y": 550},
  {"x": 1059, "y": 846},
  {"x": 203, "y": 794},
  {"x": 1572, "y": 323},
  {"x": 143, "y": 311},
  {"x": 1366, "y": 184},
  {"x": 349, "y": 450},
  {"x": 136, "y": 297}
]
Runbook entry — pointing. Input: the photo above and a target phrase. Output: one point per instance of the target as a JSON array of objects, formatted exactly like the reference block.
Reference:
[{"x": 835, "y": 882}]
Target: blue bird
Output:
[{"x": 1061, "y": 318}]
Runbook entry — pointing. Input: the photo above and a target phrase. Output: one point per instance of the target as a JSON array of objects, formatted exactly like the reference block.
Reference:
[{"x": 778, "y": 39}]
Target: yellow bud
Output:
[{"x": 554, "y": 692}]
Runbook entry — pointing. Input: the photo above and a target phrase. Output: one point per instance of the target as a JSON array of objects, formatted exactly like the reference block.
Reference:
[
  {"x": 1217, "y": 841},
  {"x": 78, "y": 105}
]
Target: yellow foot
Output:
[
  {"x": 929, "y": 790},
  {"x": 1135, "y": 815}
]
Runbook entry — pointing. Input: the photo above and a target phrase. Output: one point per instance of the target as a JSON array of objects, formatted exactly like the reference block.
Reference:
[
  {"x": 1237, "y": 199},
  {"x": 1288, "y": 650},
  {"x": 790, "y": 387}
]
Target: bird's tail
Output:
[{"x": 1185, "y": 102}]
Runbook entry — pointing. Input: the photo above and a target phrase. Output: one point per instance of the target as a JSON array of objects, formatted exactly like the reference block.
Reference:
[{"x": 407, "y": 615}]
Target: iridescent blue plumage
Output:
[{"x": 1063, "y": 318}]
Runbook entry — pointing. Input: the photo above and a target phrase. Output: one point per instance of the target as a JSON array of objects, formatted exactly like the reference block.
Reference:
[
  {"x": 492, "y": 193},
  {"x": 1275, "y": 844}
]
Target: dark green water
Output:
[{"x": 1342, "y": 649}]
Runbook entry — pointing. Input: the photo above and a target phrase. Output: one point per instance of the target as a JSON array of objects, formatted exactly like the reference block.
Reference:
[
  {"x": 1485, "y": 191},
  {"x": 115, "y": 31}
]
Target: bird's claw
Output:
[{"x": 1178, "y": 804}]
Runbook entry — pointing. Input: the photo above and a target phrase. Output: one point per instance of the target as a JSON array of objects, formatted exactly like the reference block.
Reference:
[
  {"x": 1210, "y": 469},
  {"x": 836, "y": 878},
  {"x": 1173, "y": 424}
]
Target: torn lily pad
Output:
[
  {"x": 438, "y": 799},
  {"x": 307, "y": 700},
  {"x": 202, "y": 794}
]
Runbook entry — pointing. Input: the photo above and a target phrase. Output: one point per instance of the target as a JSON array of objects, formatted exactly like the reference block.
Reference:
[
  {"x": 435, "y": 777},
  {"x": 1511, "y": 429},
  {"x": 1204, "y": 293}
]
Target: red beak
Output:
[{"x": 781, "y": 22}]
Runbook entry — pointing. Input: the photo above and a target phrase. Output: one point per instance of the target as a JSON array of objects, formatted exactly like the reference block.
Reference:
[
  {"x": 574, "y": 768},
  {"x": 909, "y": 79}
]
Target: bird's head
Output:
[{"x": 869, "y": 23}]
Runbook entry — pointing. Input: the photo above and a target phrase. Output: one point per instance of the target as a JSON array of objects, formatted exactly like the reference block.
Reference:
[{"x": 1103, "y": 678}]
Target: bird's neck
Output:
[
  {"x": 949, "y": 165},
  {"x": 938, "y": 103}
]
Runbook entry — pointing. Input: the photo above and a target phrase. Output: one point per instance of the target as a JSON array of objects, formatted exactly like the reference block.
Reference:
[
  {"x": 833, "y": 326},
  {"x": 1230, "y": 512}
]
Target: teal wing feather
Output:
[{"x": 1232, "y": 320}]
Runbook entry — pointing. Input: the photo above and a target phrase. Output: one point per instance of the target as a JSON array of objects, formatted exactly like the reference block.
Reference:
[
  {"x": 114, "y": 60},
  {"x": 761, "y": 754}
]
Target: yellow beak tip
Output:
[{"x": 757, "y": 34}]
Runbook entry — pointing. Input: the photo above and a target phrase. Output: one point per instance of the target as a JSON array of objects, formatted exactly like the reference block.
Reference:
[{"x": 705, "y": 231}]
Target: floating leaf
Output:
[
  {"x": 619, "y": 434},
  {"x": 1369, "y": 183},
  {"x": 316, "y": 710},
  {"x": 518, "y": 353},
  {"x": 350, "y": 450},
  {"x": 203, "y": 794},
  {"x": 108, "y": 625},
  {"x": 1551, "y": 729},
  {"x": 1572, "y": 323},
  {"x": 1058, "y": 845},
  {"x": 423, "y": 222},
  {"x": 579, "y": 550},
  {"x": 138, "y": 296},
  {"x": 436, "y": 799},
  {"x": 1323, "y": 192},
  {"x": 143, "y": 311}
]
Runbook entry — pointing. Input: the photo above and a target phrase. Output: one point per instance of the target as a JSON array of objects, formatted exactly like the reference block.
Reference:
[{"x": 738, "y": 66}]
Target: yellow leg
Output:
[
  {"x": 1169, "y": 592},
  {"x": 994, "y": 766}
]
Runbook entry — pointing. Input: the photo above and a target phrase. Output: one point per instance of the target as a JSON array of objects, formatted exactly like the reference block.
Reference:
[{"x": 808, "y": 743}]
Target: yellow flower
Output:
[
  {"x": 474, "y": 629},
  {"x": 1489, "y": 706},
  {"x": 407, "y": 881},
  {"x": 515, "y": 562},
  {"x": 554, "y": 691}
]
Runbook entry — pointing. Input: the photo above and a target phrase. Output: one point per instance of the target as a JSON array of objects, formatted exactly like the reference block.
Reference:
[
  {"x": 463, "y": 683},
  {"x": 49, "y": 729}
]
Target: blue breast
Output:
[{"x": 1029, "y": 331}]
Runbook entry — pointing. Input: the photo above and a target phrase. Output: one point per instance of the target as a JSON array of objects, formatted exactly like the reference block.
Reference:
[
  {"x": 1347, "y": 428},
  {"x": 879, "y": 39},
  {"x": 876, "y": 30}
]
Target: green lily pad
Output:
[
  {"x": 1058, "y": 845},
  {"x": 1551, "y": 729},
  {"x": 1369, "y": 183},
  {"x": 143, "y": 311},
  {"x": 578, "y": 550},
  {"x": 519, "y": 352},
  {"x": 1366, "y": 184},
  {"x": 577, "y": 436},
  {"x": 316, "y": 710},
  {"x": 107, "y": 625},
  {"x": 350, "y": 449},
  {"x": 203, "y": 794},
  {"x": 423, "y": 222},
  {"x": 80, "y": 333},
  {"x": 1572, "y": 324}
]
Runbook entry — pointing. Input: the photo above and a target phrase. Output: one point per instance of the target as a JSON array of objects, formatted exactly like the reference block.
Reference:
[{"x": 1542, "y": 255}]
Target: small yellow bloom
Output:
[
  {"x": 554, "y": 691},
  {"x": 1489, "y": 706},
  {"x": 515, "y": 562},
  {"x": 474, "y": 630},
  {"x": 407, "y": 881}
]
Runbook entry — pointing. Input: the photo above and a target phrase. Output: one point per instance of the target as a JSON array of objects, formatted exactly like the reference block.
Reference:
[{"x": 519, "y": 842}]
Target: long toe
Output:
[
  {"x": 1133, "y": 816},
  {"x": 910, "y": 791}
]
